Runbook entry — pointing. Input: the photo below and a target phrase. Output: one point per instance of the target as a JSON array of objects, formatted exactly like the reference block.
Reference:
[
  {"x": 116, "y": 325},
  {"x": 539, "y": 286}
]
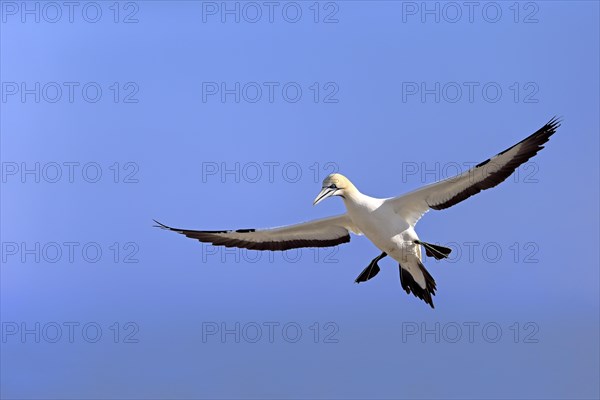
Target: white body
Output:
[{"x": 381, "y": 224}]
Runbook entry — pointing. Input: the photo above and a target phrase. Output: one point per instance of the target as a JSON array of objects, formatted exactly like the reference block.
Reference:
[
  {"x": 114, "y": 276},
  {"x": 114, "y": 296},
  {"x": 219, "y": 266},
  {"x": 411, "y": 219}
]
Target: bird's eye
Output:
[{"x": 333, "y": 186}]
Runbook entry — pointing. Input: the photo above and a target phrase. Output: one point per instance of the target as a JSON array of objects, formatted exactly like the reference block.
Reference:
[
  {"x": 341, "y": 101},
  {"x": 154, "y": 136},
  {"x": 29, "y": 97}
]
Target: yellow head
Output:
[{"x": 335, "y": 185}]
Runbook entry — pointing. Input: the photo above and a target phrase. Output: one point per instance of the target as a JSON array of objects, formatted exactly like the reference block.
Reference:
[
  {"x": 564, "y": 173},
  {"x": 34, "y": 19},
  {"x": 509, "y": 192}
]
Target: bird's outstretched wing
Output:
[
  {"x": 485, "y": 175},
  {"x": 319, "y": 233}
]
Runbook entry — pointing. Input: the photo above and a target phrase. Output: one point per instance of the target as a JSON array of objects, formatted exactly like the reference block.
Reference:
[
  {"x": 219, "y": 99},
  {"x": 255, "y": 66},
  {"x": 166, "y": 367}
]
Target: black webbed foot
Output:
[
  {"x": 435, "y": 250},
  {"x": 371, "y": 270}
]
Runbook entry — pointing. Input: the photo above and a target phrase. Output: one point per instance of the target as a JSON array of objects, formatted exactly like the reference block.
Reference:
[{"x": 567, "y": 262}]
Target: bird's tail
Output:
[{"x": 415, "y": 279}]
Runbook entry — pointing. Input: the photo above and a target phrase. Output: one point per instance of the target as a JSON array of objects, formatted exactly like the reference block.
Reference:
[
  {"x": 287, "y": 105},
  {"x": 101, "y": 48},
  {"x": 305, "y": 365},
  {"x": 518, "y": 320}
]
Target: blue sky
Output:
[{"x": 214, "y": 115}]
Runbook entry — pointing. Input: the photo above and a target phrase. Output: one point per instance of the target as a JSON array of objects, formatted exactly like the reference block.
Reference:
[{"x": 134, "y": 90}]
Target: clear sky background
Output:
[{"x": 384, "y": 92}]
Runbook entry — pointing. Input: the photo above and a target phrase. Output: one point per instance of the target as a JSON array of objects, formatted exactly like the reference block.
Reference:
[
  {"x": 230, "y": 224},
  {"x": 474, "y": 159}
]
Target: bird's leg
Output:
[
  {"x": 435, "y": 250},
  {"x": 371, "y": 270}
]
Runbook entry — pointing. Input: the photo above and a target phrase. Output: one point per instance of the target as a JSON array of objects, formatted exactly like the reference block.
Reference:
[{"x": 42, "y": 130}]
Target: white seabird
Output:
[{"x": 389, "y": 223}]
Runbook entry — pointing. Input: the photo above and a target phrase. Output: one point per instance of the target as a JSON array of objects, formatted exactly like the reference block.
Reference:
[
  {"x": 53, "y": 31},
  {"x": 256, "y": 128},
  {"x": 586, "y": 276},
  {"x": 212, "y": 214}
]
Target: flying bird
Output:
[{"x": 389, "y": 222}]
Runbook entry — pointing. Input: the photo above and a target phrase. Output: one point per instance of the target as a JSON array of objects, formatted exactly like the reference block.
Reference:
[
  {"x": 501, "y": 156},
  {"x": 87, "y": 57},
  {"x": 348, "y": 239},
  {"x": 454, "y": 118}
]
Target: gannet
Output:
[{"x": 389, "y": 223}]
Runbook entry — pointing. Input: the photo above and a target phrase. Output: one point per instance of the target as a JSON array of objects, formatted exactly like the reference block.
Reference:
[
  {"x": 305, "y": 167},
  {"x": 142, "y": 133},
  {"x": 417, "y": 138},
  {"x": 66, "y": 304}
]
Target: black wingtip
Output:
[
  {"x": 542, "y": 135},
  {"x": 556, "y": 119},
  {"x": 554, "y": 123},
  {"x": 159, "y": 225}
]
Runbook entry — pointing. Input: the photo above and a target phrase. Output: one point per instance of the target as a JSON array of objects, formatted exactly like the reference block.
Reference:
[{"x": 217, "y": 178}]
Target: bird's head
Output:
[{"x": 334, "y": 185}]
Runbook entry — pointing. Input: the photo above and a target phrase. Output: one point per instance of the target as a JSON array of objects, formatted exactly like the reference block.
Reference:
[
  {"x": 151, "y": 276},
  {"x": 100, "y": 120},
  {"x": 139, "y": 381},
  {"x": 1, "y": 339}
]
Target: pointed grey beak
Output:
[{"x": 325, "y": 193}]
